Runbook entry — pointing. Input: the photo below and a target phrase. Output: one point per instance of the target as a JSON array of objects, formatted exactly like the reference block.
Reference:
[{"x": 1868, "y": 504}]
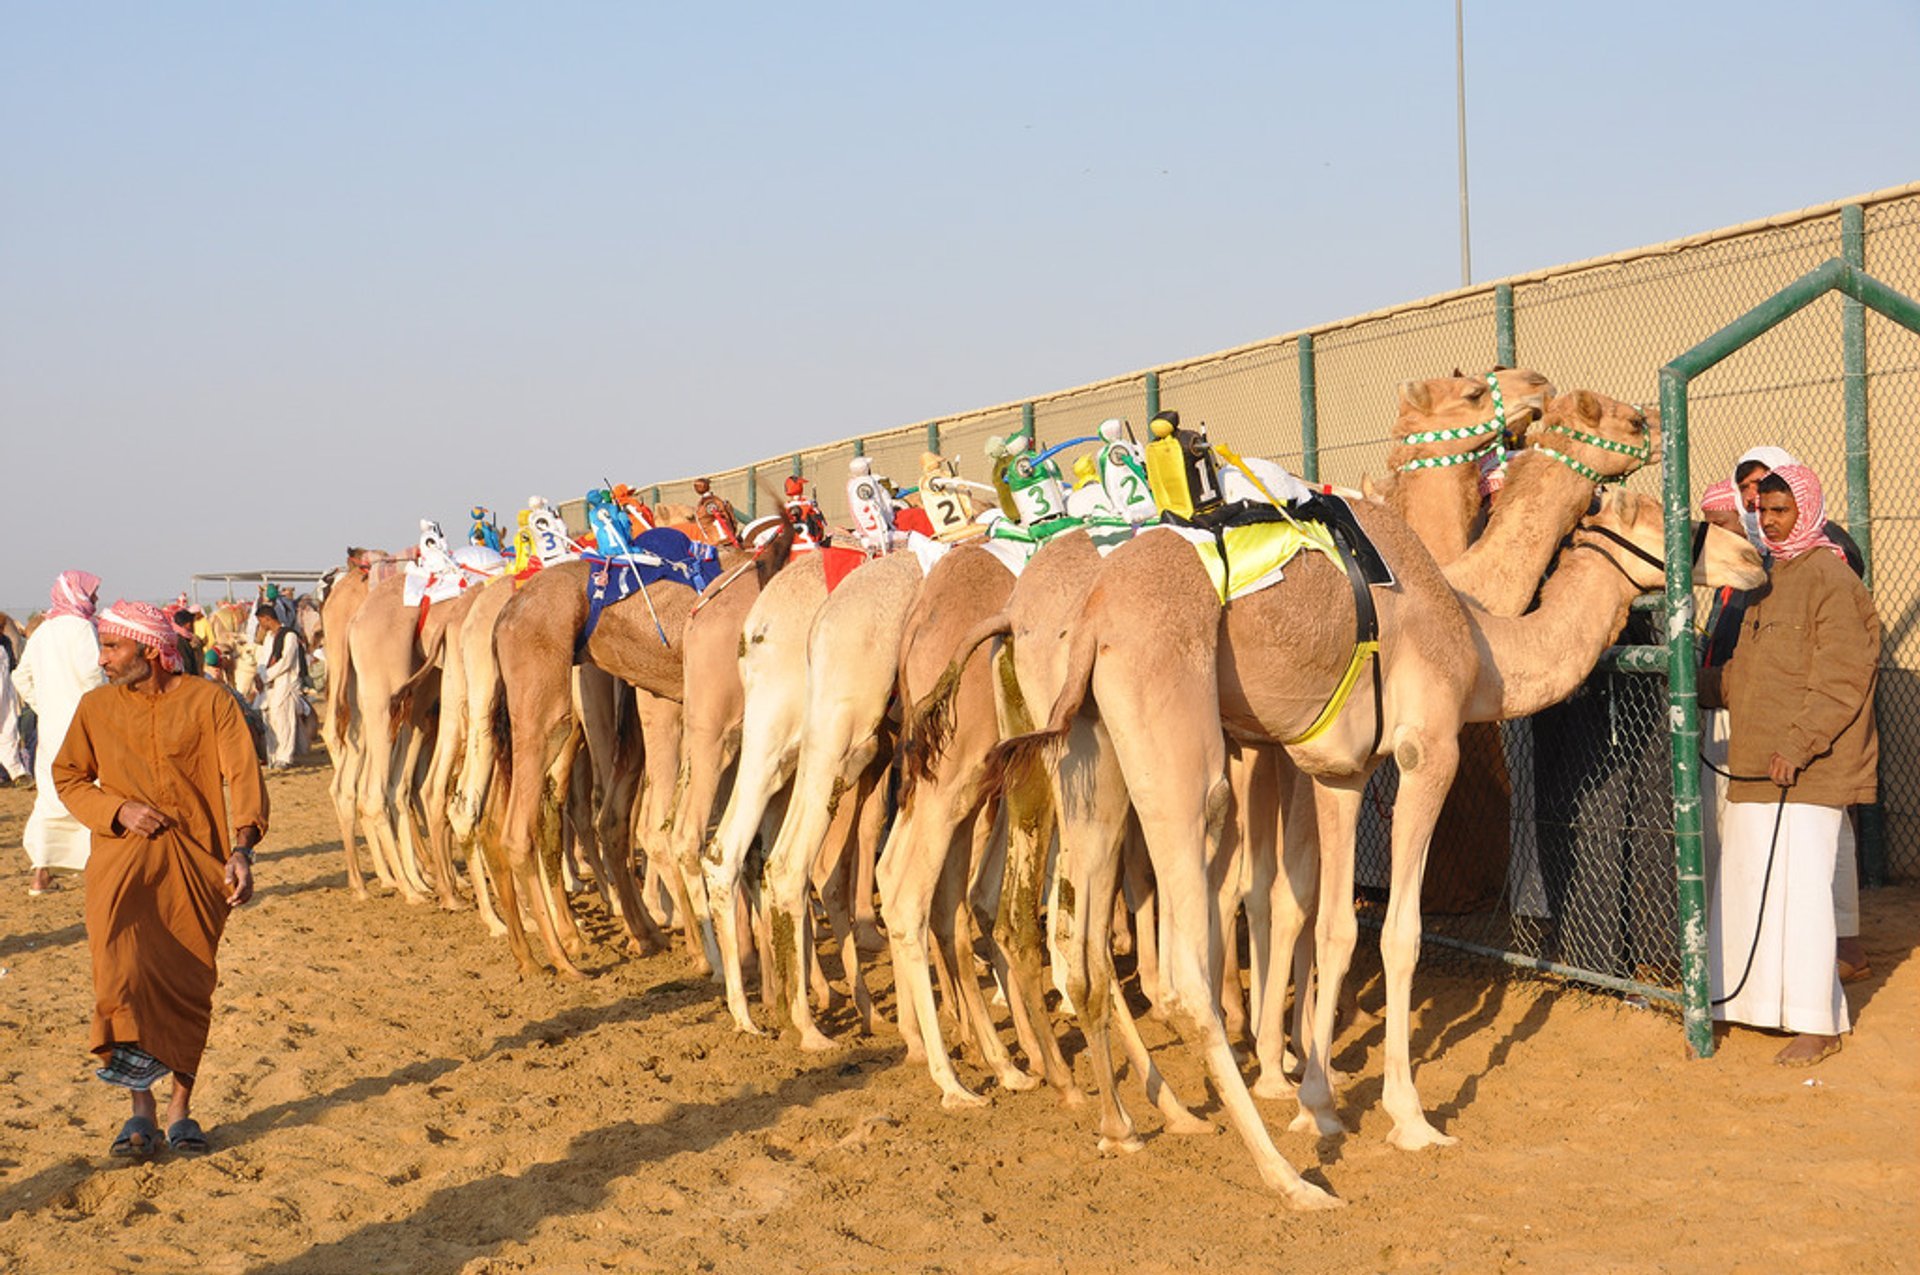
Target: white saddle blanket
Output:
[{"x": 469, "y": 565}]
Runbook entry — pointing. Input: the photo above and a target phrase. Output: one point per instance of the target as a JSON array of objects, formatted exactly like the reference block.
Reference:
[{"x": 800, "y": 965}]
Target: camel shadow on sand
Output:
[
  {"x": 56, "y": 1186},
  {"x": 512, "y": 1208}
]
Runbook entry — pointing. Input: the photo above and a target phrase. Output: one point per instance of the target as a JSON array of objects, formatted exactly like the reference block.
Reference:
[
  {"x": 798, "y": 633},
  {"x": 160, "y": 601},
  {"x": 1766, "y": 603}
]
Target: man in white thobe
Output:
[
  {"x": 13, "y": 754},
  {"x": 60, "y": 664},
  {"x": 280, "y": 685}
]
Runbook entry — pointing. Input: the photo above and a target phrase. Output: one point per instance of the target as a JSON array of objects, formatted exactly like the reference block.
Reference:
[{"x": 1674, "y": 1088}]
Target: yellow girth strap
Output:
[{"x": 1362, "y": 651}]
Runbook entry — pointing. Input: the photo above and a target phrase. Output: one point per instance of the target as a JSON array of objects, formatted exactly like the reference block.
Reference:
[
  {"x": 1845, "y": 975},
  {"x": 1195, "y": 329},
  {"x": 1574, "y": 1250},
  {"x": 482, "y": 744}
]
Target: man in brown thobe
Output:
[{"x": 143, "y": 767}]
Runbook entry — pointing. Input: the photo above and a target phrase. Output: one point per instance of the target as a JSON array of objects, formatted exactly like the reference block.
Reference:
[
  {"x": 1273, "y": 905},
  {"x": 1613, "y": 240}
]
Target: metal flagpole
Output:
[{"x": 1460, "y": 84}]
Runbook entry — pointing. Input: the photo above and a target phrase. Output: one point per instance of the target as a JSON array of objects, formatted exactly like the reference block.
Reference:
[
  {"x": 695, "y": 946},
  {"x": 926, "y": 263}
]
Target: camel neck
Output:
[
  {"x": 1439, "y": 507},
  {"x": 1536, "y": 660},
  {"x": 1539, "y": 505}
]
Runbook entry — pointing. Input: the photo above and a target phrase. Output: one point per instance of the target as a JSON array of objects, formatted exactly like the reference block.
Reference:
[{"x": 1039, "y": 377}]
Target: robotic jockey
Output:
[
  {"x": 484, "y": 531},
  {"x": 870, "y": 501},
  {"x": 551, "y": 543},
  {"x": 712, "y": 515},
  {"x": 434, "y": 557},
  {"x": 803, "y": 511}
]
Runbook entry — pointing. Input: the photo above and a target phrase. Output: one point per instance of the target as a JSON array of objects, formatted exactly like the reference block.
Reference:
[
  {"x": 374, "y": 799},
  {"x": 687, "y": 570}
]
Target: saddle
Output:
[{"x": 661, "y": 556}]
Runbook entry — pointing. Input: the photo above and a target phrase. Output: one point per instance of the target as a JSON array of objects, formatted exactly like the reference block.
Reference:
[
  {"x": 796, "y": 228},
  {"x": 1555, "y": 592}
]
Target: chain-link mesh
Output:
[
  {"x": 1557, "y": 843},
  {"x": 1607, "y": 326}
]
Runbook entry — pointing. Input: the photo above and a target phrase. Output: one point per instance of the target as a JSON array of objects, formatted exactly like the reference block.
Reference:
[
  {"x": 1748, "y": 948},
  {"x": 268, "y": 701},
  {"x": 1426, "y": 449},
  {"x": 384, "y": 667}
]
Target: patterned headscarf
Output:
[
  {"x": 1721, "y": 498},
  {"x": 73, "y": 594},
  {"x": 1773, "y": 458},
  {"x": 1809, "y": 530},
  {"x": 146, "y": 624}
]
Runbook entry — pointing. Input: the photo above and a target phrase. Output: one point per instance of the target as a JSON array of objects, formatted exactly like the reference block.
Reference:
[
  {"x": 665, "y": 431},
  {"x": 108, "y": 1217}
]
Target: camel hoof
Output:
[
  {"x": 1121, "y": 1146},
  {"x": 1308, "y": 1198},
  {"x": 568, "y": 974},
  {"x": 1018, "y": 1081},
  {"x": 452, "y": 905},
  {"x": 813, "y": 1042},
  {"x": 1188, "y": 1123},
  {"x": 1308, "y": 1121},
  {"x": 960, "y": 1099},
  {"x": 1071, "y": 1097},
  {"x": 496, "y": 930},
  {"x": 1273, "y": 1084},
  {"x": 360, "y": 893},
  {"x": 869, "y": 940},
  {"x": 1418, "y": 1137}
]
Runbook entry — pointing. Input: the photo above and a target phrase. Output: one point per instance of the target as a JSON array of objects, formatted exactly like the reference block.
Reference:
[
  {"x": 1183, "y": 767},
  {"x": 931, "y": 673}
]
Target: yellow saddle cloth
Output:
[{"x": 1255, "y": 553}]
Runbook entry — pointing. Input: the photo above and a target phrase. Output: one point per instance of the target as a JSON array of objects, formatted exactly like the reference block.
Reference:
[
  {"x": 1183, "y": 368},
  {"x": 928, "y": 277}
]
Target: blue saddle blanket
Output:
[{"x": 660, "y": 556}]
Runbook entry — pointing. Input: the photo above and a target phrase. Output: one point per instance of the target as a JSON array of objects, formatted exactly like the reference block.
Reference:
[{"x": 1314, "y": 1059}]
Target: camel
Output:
[
  {"x": 1544, "y": 496},
  {"x": 534, "y": 642},
  {"x": 388, "y": 644},
  {"x": 343, "y": 601},
  {"x": 1263, "y": 668},
  {"x": 1046, "y": 600},
  {"x": 852, "y": 655}
]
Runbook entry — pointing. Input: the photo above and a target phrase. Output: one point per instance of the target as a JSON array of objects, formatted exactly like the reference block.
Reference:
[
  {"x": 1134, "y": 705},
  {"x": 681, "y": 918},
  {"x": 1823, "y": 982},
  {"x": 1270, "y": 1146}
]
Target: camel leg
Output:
[
  {"x": 906, "y": 877},
  {"x": 439, "y": 785},
  {"x": 1288, "y": 888},
  {"x": 1336, "y": 929},
  {"x": 1136, "y": 878},
  {"x": 410, "y": 745},
  {"x": 830, "y": 766},
  {"x": 542, "y": 725},
  {"x": 969, "y": 844},
  {"x": 345, "y": 784},
  {"x": 660, "y": 726},
  {"x": 763, "y": 772},
  {"x": 551, "y": 844},
  {"x": 376, "y": 821},
  {"x": 1028, "y": 800},
  {"x": 985, "y": 883},
  {"x": 865, "y": 921},
  {"x": 1181, "y": 807},
  {"x": 1423, "y": 789}
]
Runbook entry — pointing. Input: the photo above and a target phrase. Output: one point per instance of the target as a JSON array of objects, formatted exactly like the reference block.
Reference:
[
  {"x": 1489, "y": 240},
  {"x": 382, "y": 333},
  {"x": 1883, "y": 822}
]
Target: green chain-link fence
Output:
[{"x": 1585, "y": 876}]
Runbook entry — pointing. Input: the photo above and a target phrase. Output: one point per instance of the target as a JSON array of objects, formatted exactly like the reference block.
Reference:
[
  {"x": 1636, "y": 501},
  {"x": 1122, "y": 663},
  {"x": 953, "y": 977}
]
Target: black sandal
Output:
[
  {"x": 139, "y": 1139},
  {"x": 187, "y": 1137}
]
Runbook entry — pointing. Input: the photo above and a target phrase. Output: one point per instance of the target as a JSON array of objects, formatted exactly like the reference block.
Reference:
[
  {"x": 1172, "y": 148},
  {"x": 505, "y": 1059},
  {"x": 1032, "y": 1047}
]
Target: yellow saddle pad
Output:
[{"x": 1256, "y": 553}]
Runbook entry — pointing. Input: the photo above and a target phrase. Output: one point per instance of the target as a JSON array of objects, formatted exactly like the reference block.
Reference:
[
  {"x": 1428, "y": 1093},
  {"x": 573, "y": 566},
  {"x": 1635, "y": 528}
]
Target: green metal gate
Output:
[{"x": 1862, "y": 292}]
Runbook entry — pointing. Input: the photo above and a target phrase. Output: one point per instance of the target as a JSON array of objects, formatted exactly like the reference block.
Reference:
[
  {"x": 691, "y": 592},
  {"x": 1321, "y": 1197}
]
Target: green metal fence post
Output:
[
  {"x": 1026, "y": 422},
  {"x": 1684, "y": 717},
  {"x": 1504, "y": 348},
  {"x": 860, "y": 447},
  {"x": 933, "y": 437},
  {"x": 1871, "y": 844},
  {"x": 656, "y": 496},
  {"x": 1309, "y": 412},
  {"x": 799, "y": 470},
  {"x": 753, "y": 492},
  {"x": 1853, "y": 344}
]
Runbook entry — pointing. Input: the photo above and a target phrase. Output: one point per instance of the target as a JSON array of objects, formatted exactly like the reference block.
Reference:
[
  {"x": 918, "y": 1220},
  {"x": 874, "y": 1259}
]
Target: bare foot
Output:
[
  {"x": 42, "y": 881},
  {"x": 1805, "y": 1050}
]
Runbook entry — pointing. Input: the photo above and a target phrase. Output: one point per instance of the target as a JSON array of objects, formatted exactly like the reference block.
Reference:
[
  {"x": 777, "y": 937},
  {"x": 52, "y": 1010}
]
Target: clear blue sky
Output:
[{"x": 275, "y": 278}]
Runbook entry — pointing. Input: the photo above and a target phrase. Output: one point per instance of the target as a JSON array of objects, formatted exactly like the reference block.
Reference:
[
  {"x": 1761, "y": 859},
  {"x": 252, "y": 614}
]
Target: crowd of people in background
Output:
[{"x": 256, "y": 653}]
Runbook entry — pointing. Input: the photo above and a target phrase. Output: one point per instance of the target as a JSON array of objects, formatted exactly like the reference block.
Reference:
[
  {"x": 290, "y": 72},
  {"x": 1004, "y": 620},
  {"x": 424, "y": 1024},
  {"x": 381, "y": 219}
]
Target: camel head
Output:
[
  {"x": 1630, "y": 528},
  {"x": 1444, "y": 404},
  {"x": 1596, "y": 436}
]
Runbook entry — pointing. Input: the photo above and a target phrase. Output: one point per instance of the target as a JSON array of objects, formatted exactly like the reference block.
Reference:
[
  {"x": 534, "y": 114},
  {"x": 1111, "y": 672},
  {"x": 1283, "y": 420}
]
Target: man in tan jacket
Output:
[{"x": 1799, "y": 690}]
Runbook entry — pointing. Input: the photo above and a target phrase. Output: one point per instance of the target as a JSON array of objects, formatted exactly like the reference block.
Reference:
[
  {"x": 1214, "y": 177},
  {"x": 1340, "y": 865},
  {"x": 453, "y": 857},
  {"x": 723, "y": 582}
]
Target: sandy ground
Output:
[{"x": 384, "y": 1094}]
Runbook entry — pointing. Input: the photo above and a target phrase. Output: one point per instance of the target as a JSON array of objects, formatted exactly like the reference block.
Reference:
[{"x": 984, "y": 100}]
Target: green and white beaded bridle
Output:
[
  {"x": 1495, "y": 425},
  {"x": 1642, "y": 453}
]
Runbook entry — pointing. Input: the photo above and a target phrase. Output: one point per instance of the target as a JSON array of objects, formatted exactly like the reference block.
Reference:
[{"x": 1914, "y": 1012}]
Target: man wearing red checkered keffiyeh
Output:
[
  {"x": 160, "y": 768},
  {"x": 1803, "y": 745},
  {"x": 146, "y": 624}
]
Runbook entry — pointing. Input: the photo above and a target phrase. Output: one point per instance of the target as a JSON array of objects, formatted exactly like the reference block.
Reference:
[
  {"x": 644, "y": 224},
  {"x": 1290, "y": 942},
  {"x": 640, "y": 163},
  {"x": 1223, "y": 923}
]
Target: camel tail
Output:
[
  {"x": 339, "y": 699},
  {"x": 400, "y": 707},
  {"x": 1043, "y": 746},
  {"x": 929, "y": 724},
  {"x": 502, "y": 726}
]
